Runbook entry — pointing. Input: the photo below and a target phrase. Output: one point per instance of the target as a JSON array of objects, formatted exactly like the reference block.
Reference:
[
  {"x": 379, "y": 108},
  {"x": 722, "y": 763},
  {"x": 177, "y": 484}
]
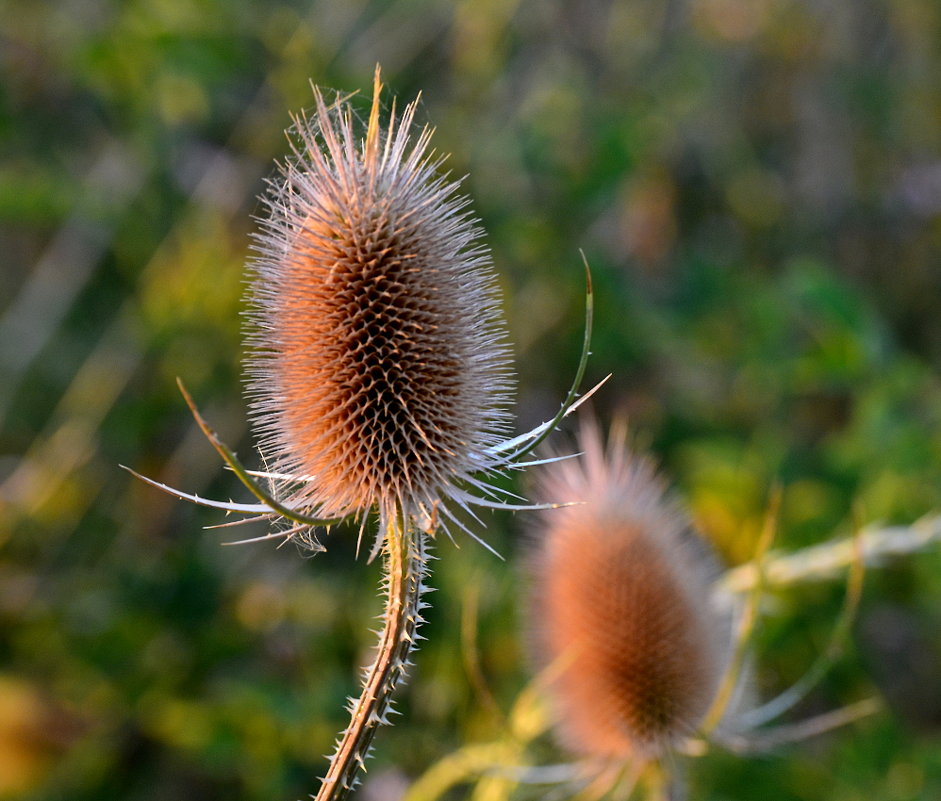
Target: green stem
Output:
[{"x": 405, "y": 566}]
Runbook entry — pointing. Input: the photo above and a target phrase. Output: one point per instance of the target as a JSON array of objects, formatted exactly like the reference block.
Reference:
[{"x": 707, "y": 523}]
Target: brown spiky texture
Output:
[
  {"x": 378, "y": 372},
  {"x": 621, "y": 606}
]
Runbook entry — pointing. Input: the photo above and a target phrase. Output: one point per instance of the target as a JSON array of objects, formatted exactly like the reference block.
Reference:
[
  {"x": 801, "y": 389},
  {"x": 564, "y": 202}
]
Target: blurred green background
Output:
[{"x": 757, "y": 184}]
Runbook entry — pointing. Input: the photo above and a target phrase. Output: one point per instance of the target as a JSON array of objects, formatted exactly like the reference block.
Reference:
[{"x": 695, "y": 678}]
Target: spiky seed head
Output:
[
  {"x": 621, "y": 606},
  {"x": 378, "y": 372}
]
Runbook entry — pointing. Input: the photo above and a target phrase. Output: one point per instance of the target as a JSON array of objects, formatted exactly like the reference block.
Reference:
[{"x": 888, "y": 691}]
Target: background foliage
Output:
[{"x": 757, "y": 184}]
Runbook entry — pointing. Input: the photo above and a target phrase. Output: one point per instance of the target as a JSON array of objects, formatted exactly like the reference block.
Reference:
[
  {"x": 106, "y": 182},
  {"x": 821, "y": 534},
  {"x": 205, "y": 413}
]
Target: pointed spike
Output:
[
  {"x": 242, "y": 522},
  {"x": 243, "y": 508},
  {"x": 270, "y": 536}
]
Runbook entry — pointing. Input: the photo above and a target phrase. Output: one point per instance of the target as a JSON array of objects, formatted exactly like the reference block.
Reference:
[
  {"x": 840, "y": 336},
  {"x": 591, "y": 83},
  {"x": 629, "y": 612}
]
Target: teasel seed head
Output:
[
  {"x": 378, "y": 371},
  {"x": 621, "y": 607}
]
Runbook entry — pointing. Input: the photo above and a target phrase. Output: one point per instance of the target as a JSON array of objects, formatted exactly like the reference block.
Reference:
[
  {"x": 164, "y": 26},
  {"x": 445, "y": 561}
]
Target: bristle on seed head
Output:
[
  {"x": 378, "y": 373},
  {"x": 621, "y": 607}
]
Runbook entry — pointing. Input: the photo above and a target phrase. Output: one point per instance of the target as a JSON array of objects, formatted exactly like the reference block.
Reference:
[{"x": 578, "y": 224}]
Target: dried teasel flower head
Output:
[
  {"x": 379, "y": 374},
  {"x": 621, "y": 607}
]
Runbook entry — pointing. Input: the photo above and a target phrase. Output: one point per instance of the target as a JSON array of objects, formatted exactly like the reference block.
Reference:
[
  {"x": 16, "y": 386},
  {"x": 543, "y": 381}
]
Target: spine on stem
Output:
[{"x": 405, "y": 555}]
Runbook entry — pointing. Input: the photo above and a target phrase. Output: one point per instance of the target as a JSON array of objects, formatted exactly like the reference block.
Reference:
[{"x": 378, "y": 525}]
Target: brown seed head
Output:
[
  {"x": 621, "y": 607},
  {"x": 379, "y": 376}
]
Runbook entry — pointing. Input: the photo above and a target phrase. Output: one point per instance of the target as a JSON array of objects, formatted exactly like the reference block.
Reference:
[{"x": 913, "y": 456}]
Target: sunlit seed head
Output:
[
  {"x": 621, "y": 607},
  {"x": 378, "y": 372}
]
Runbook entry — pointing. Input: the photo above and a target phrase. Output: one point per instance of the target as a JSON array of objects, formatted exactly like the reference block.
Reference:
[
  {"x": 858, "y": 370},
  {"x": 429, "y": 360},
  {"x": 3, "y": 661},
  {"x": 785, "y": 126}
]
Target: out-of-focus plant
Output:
[{"x": 646, "y": 647}]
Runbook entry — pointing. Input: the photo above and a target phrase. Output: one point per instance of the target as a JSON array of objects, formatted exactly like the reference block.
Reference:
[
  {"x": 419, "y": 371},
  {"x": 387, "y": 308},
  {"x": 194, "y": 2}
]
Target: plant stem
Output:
[{"x": 405, "y": 569}]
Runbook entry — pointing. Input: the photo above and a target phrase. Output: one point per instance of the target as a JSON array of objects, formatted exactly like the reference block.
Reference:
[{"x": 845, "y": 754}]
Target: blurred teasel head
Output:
[
  {"x": 621, "y": 609},
  {"x": 379, "y": 374}
]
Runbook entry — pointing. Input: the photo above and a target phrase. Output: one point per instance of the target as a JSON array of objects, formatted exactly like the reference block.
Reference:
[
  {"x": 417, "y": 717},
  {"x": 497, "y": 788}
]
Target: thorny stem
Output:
[{"x": 405, "y": 568}]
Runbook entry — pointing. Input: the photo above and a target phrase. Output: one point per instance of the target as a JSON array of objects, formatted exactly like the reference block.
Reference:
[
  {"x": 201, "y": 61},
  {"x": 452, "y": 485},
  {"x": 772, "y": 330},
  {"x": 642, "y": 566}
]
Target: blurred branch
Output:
[{"x": 825, "y": 561}]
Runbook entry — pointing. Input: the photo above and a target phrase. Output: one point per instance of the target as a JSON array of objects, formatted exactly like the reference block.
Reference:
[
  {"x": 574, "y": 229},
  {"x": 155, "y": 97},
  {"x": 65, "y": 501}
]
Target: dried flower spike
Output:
[
  {"x": 622, "y": 608},
  {"x": 379, "y": 369}
]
